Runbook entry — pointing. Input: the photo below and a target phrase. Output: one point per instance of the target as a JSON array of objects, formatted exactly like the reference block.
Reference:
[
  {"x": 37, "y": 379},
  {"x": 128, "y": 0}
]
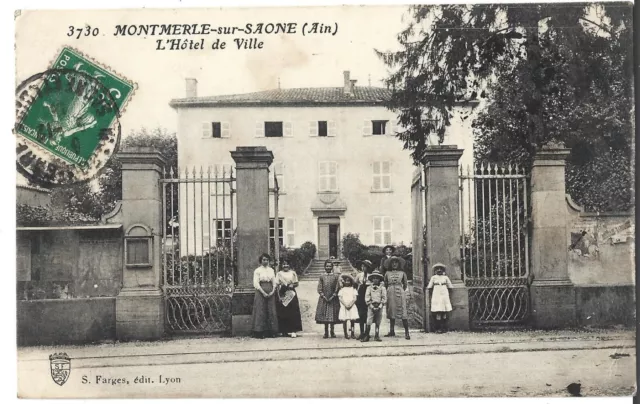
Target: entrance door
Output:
[
  {"x": 333, "y": 240},
  {"x": 328, "y": 237}
]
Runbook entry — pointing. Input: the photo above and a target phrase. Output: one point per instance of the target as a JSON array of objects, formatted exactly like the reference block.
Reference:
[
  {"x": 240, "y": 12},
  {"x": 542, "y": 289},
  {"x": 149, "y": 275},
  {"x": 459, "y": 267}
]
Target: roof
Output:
[{"x": 292, "y": 96}]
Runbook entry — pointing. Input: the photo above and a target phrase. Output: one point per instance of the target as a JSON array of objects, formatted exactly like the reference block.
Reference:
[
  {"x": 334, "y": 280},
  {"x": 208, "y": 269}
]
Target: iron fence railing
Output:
[
  {"x": 494, "y": 238},
  {"x": 199, "y": 248}
]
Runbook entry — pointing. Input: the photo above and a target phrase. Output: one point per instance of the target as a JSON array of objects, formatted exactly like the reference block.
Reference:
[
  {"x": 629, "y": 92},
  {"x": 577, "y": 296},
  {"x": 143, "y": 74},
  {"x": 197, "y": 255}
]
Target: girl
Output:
[
  {"x": 348, "y": 310},
  {"x": 264, "y": 317},
  {"x": 364, "y": 269},
  {"x": 396, "y": 283},
  {"x": 328, "y": 307},
  {"x": 288, "y": 307},
  {"x": 440, "y": 303}
]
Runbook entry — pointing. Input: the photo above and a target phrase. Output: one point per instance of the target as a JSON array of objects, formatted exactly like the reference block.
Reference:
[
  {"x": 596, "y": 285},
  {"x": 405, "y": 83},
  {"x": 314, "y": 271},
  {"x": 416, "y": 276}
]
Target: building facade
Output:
[{"x": 339, "y": 167}]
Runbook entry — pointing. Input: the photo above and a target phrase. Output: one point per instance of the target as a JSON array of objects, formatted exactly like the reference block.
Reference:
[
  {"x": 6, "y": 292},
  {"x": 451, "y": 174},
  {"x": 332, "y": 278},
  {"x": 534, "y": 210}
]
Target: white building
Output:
[{"x": 339, "y": 167}]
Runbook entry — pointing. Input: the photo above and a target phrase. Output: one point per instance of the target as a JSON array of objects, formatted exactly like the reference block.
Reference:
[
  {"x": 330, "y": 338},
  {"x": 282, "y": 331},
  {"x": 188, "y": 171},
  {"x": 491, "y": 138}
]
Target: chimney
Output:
[
  {"x": 347, "y": 82},
  {"x": 353, "y": 85},
  {"x": 192, "y": 87}
]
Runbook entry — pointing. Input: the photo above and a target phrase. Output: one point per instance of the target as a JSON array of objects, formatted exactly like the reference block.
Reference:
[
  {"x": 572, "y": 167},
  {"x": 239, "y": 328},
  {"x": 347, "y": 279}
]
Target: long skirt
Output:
[
  {"x": 328, "y": 312},
  {"x": 265, "y": 318},
  {"x": 361, "y": 304},
  {"x": 289, "y": 318}
]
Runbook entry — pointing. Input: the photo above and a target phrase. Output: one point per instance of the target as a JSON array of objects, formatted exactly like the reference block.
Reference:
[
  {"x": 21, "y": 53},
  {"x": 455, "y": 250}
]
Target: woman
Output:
[
  {"x": 328, "y": 309},
  {"x": 364, "y": 268},
  {"x": 288, "y": 307},
  {"x": 264, "y": 318},
  {"x": 388, "y": 251},
  {"x": 396, "y": 282}
]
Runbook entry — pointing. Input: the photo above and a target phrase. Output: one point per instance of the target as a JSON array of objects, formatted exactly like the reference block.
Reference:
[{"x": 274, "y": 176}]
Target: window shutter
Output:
[
  {"x": 313, "y": 128},
  {"x": 207, "y": 129},
  {"x": 226, "y": 129},
  {"x": 331, "y": 129},
  {"x": 259, "y": 129},
  {"x": 367, "y": 128},
  {"x": 287, "y": 129},
  {"x": 291, "y": 231},
  {"x": 391, "y": 127},
  {"x": 322, "y": 176}
]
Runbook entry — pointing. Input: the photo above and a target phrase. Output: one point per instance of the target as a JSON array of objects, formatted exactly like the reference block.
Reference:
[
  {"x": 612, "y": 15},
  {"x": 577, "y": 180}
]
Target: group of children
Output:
[
  {"x": 361, "y": 296},
  {"x": 347, "y": 299}
]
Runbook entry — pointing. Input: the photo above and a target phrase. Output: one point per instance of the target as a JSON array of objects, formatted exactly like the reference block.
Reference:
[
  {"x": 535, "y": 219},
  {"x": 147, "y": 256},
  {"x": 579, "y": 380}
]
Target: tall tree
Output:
[
  {"x": 548, "y": 73},
  {"x": 95, "y": 199}
]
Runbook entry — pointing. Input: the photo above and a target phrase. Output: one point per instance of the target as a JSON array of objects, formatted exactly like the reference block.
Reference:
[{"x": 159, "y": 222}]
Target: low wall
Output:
[
  {"x": 601, "y": 306},
  {"x": 66, "y": 321}
]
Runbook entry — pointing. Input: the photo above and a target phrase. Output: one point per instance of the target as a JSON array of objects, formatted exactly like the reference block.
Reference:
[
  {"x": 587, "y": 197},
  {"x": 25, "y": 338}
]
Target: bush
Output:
[
  {"x": 297, "y": 258},
  {"x": 354, "y": 250}
]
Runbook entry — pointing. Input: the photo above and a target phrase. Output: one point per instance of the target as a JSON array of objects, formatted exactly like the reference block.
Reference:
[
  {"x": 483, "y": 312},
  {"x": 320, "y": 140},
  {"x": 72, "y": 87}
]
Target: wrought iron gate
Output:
[
  {"x": 495, "y": 243},
  {"x": 199, "y": 249}
]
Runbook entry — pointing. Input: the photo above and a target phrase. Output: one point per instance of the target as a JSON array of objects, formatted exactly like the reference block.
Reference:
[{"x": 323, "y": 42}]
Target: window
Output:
[
  {"x": 215, "y": 129},
  {"x": 223, "y": 231},
  {"x": 381, "y": 230},
  {"x": 328, "y": 176},
  {"x": 322, "y": 128},
  {"x": 273, "y": 129},
  {"x": 279, "y": 170},
  {"x": 272, "y": 231},
  {"x": 379, "y": 127},
  {"x": 291, "y": 231},
  {"x": 381, "y": 176}
]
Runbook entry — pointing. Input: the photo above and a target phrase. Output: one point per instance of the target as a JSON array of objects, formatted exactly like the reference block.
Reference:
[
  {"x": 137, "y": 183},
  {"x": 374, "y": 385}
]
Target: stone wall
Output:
[
  {"x": 67, "y": 280},
  {"x": 602, "y": 266},
  {"x": 66, "y": 321}
]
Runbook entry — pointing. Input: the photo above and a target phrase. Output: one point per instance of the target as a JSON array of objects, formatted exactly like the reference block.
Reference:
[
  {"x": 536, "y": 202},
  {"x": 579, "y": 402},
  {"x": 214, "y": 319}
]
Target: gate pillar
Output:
[
  {"x": 252, "y": 195},
  {"x": 140, "y": 304},
  {"x": 442, "y": 203},
  {"x": 553, "y": 300}
]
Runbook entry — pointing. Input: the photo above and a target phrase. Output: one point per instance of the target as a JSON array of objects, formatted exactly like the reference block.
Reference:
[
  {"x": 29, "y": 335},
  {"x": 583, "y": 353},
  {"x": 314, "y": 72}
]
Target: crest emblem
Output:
[{"x": 60, "y": 367}]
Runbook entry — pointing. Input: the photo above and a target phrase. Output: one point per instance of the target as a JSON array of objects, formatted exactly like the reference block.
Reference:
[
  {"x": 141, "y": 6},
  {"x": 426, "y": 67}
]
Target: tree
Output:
[
  {"x": 559, "y": 73},
  {"x": 94, "y": 199}
]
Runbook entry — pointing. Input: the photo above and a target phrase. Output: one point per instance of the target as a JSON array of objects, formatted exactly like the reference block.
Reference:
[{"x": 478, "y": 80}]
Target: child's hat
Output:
[
  {"x": 367, "y": 263},
  {"x": 393, "y": 249},
  {"x": 439, "y": 266},
  {"x": 348, "y": 276},
  {"x": 375, "y": 274}
]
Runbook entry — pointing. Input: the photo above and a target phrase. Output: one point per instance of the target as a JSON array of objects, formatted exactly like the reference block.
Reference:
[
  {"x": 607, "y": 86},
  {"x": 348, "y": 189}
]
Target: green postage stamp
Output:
[{"x": 67, "y": 119}]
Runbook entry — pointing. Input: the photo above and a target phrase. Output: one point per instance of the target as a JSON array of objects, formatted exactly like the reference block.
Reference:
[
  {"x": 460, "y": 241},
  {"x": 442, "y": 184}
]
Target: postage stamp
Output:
[{"x": 67, "y": 119}]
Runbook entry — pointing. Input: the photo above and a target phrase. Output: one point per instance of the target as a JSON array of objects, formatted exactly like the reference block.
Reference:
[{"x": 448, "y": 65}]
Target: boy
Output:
[{"x": 375, "y": 297}]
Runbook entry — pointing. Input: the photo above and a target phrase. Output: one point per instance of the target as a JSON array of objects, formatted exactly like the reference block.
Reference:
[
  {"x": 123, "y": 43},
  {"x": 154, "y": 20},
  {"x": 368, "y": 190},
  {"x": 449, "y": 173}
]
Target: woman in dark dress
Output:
[
  {"x": 328, "y": 307},
  {"x": 264, "y": 317},
  {"x": 364, "y": 268},
  {"x": 288, "y": 307}
]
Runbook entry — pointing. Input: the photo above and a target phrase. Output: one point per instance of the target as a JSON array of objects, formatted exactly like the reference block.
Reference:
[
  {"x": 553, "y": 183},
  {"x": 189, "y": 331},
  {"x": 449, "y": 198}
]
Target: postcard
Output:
[{"x": 342, "y": 201}]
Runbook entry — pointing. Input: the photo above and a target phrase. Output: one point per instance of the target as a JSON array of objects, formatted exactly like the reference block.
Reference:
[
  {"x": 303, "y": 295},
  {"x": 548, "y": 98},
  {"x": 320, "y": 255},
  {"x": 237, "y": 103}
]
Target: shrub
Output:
[
  {"x": 297, "y": 258},
  {"x": 354, "y": 250}
]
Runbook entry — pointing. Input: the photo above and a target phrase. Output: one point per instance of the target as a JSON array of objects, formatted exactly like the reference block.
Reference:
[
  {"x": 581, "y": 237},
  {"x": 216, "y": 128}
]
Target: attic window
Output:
[
  {"x": 273, "y": 129},
  {"x": 379, "y": 127}
]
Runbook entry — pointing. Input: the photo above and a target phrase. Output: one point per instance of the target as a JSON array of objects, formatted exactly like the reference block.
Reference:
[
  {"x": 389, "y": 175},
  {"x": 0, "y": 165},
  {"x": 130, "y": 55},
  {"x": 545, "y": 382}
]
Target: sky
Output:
[{"x": 294, "y": 60}]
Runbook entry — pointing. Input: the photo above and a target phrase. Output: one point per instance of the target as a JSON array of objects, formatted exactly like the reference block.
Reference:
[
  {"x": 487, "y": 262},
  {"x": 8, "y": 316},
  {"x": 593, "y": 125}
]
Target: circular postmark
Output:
[{"x": 67, "y": 127}]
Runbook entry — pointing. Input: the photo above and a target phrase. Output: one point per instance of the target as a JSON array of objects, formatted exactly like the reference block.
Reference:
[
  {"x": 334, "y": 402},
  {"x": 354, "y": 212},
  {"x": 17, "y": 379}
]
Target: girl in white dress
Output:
[
  {"x": 348, "y": 310},
  {"x": 440, "y": 303}
]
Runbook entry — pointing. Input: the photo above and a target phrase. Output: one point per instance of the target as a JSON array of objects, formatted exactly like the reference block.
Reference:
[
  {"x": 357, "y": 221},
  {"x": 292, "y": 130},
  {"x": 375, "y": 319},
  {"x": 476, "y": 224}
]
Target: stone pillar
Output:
[
  {"x": 140, "y": 304},
  {"x": 442, "y": 202},
  {"x": 252, "y": 195},
  {"x": 552, "y": 293}
]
